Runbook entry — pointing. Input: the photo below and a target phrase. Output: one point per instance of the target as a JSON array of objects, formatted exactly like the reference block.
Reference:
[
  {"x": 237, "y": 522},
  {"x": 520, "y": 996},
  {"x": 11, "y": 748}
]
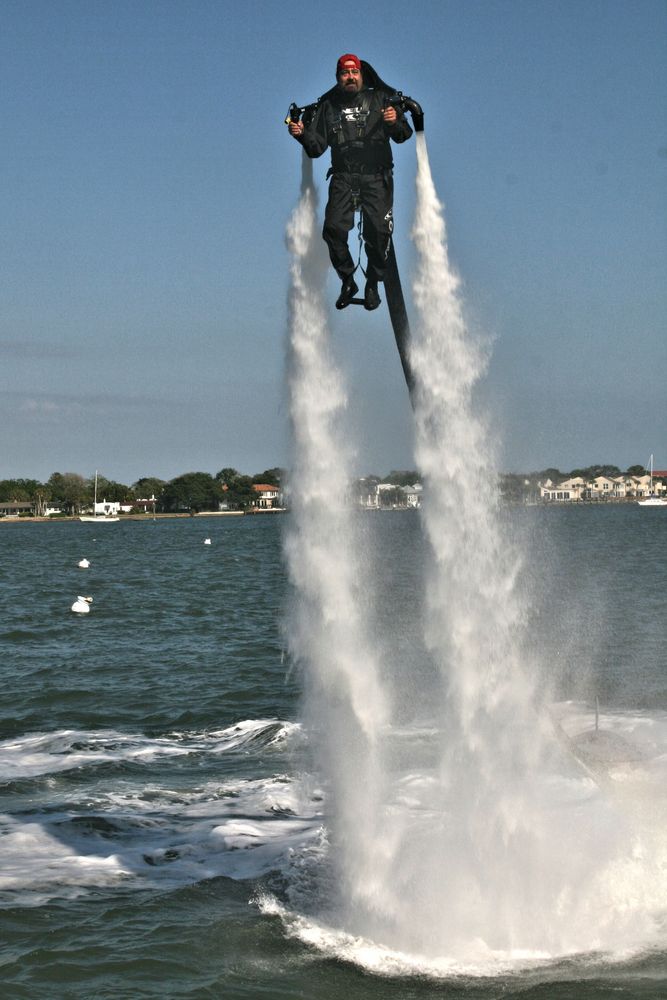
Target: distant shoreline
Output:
[
  {"x": 141, "y": 517},
  {"x": 552, "y": 504}
]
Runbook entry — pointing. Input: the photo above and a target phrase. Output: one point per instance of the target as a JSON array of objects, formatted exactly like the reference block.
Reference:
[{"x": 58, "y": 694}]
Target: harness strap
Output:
[{"x": 359, "y": 233}]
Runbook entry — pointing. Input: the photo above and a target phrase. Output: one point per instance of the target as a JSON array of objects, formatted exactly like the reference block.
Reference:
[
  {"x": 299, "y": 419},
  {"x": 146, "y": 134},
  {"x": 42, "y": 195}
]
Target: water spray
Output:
[
  {"x": 346, "y": 705},
  {"x": 496, "y": 853}
]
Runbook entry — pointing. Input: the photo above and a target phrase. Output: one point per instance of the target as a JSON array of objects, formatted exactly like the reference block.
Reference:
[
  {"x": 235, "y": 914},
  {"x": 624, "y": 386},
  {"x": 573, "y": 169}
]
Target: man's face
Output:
[{"x": 350, "y": 79}]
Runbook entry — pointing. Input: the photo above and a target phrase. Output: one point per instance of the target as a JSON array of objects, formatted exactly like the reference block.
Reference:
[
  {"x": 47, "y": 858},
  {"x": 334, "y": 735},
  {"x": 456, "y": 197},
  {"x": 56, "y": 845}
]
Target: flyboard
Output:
[{"x": 392, "y": 279}]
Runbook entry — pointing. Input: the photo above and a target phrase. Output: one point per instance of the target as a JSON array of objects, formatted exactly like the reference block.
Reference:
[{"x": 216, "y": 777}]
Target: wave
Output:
[
  {"x": 64, "y": 750},
  {"x": 127, "y": 833},
  {"x": 481, "y": 963}
]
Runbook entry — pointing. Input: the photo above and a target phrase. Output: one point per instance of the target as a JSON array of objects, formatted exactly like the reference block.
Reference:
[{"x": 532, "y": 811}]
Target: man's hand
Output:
[
  {"x": 296, "y": 129},
  {"x": 389, "y": 115}
]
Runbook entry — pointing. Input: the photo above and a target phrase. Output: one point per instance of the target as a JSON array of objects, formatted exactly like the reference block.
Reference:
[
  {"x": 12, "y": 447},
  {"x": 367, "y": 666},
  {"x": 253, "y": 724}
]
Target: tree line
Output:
[{"x": 192, "y": 491}]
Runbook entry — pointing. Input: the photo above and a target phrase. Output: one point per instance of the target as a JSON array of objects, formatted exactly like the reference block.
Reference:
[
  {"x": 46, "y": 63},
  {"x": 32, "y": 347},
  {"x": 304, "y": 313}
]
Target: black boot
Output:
[
  {"x": 348, "y": 290},
  {"x": 371, "y": 296}
]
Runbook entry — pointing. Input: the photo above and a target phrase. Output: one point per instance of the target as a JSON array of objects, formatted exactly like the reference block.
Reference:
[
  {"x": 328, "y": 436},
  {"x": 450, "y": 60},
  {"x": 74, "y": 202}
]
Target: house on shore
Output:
[
  {"x": 387, "y": 496},
  {"x": 15, "y": 508},
  {"x": 622, "y": 487},
  {"x": 267, "y": 497}
]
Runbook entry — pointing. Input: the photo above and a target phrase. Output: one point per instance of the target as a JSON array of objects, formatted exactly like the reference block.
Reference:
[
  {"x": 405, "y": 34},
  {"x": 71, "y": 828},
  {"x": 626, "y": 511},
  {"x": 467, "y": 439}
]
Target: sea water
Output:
[
  {"x": 156, "y": 782},
  {"x": 409, "y": 746}
]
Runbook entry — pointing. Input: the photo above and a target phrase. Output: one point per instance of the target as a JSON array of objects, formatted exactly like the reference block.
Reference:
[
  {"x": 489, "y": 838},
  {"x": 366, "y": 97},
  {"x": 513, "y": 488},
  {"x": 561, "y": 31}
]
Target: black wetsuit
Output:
[{"x": 361, "y": 169}]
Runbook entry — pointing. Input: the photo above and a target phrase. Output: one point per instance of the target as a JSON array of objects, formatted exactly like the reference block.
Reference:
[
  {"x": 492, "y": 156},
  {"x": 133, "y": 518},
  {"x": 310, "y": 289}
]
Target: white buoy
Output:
[
  {"x": 83, "y": 564},
  {"x": 207, "y": 541},
  {"x": 82, "y": 605}
]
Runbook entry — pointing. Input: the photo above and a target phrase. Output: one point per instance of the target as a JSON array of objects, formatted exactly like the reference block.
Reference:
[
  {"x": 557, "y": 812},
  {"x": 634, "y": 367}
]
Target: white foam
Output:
[
  {"x": 332, "y": 942},
  {"x": 274, "y": 731},
  {"x": 34, "y": 857},
  {"x": 139, "y": 836}
]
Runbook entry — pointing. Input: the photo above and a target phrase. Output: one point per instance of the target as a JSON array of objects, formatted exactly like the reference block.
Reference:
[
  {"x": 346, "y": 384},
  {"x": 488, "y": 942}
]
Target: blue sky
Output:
[{"x": 147, "y": 179}]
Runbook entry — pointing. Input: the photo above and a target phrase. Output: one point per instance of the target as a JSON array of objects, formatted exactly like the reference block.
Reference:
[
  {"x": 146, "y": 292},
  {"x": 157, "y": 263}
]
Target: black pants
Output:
[{"x": 376, "y": 197}]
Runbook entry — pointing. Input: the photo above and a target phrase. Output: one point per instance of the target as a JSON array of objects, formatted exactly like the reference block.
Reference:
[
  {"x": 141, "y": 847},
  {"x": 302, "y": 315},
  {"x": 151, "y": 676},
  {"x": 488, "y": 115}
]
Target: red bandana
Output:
[{"x": 347, "y": 58}]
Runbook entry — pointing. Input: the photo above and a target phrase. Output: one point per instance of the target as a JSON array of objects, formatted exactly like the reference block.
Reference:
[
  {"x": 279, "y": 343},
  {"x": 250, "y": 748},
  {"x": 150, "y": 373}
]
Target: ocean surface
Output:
[{"x": 161, "y": 824}]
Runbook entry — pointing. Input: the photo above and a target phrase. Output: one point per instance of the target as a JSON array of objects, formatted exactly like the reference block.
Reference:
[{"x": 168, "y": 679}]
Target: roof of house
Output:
[{"x": 264, "y": 488}]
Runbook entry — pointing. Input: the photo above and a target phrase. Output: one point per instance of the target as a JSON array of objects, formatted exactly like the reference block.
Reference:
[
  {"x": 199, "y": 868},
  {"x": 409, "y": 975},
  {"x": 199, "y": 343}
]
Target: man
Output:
[{"x": 355, "y": 119}]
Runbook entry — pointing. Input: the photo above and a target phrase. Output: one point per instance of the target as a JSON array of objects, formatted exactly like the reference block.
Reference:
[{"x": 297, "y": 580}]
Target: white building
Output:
[
  {"x": 373, "y": 496},
  {"x": 267, "y": 496},
  {"x": 107, "y": 508},
  {"x": 413, "y": 495}
]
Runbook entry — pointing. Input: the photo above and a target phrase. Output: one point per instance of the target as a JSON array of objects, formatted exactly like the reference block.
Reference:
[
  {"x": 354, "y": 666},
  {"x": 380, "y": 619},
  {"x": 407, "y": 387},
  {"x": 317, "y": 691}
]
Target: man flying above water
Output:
[{"x": 355, "y": 119}]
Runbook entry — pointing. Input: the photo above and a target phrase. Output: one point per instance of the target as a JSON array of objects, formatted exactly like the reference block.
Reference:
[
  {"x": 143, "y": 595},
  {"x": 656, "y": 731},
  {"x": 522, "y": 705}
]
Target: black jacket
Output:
[{"x": 352, "y": 125}]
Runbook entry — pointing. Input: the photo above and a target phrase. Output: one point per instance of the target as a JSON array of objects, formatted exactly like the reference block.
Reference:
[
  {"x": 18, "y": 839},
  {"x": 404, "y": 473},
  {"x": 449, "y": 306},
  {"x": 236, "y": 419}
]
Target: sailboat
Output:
[
  {"x": 96, "y": 518},
  {"x": 652, "y": 500}
]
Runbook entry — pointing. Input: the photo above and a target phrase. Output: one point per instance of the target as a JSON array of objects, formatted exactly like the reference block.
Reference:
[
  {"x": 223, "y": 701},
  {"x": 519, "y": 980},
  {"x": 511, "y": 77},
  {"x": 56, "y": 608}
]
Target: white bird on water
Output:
[
  {"x": 83, "y": 564},
  {"x": 207, "y": 541},
  {"x": 82, "y": 605}
]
